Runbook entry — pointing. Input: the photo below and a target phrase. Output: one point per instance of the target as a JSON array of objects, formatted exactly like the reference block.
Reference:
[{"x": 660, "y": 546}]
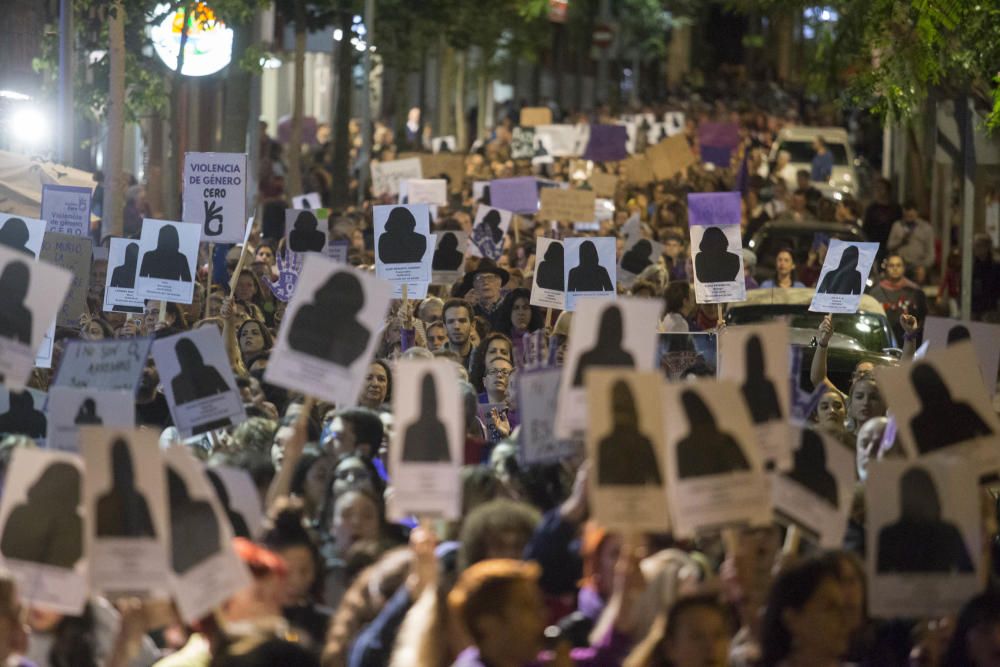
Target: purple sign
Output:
[
  {"x": 717, "y": 142},
  {"x": 607, "y": 143},
  {"x": 519, "y": 195},
  {"x": 717, "y": 155},
  {"x": 713, "y": 208}
]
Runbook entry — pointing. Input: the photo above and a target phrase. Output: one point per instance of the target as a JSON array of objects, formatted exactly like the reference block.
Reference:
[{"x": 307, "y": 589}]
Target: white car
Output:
[{"x": 798, "y": 142}]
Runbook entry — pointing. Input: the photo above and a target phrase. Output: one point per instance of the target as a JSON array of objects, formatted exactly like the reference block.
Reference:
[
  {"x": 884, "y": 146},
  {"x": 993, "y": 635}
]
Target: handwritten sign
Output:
[
  {"x": 114, "y": 365},
  {"x": 532, "y": 116},
  {"x": 670, "y": 157},
  {"x": 567, "y": 205},
  {"x": 72, "y": 253}
]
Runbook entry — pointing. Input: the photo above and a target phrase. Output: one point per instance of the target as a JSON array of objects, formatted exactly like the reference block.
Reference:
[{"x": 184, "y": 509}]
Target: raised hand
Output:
[{"x": 289, "y": 266}]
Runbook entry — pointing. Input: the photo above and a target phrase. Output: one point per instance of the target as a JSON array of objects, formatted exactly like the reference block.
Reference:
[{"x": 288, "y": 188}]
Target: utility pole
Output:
[
  {"x": 65, "y": 141},
  {"x": 365, "y": 159},
  {"x": 966, "y": 115}
]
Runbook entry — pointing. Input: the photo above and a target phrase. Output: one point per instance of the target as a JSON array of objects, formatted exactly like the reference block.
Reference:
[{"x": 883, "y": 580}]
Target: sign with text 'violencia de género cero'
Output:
[{"x": 215, "y": 195}]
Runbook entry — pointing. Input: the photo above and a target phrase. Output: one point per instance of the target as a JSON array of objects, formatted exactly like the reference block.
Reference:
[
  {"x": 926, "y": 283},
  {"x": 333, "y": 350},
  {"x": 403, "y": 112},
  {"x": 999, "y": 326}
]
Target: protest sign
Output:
[
  {"x": 843, "y": 276},
  {"x": 43, "y": 357},
  {"x": 631, "y": 135},
  {"x": 387, "y": 175},
  {"x": 639, "y": 254},
  {"x": 69, "y": 408},
  {"x": 538, "y": 398},
  {"x": 670, "y": 157},
  {"x": 816, "y": 492},
  {"x": 604, "y": 185},
  {"x": 533, "y": 116},
  {"x": 674, "y": 122},
  {"x": 714, "y": 472},
  {"x": 564, "y": 140},
  {"x": 448, "y": 264},
  {"x": 427, "y": 191},
  {"x": 603, "y": 332},
  {"x": 637, "y": 170},
  {"x": 198, "y": 381},
  {"x": 404, "y": 248},
  {"x": 66, "y": 209},
  {"x": 240, "y": 500},
  {"x": 31, "y": 294},
  {"x": 589, "y": 268},
  {"x": 717, "y": 141},
  {"x": 110, "y": 365},
  {"x": 522, "y": 143},
  {"x": 683, "y": 355},
  {"x": 548, "y": 288},
  {"x": 426, "y": 452},
  {"x": 756, "y": 359},
  {"x": 449, "y": 166},
  {"x": 607, "y": 143},
  {"x": 488, "y": 232},
  {"x": 626, "y": 447},
  {"x": 215, "y": 195},
  {"x": 310, "y": 200},
  {"x": 519, "y": 194},
  {"x": 942, "y": 409},
  {"x": 125, "y": 499},
  {"x": 168, "y": 252},
  {"x": 923, "y": 537},
  {"x": 123, "y": 267},
  {"x": 445, "y": 144},
  {"x": 21, "y": 412},
  {"x": 42, "y": 539},
  {"x": 73, "y": 254},
  {"x": 21, "y": 234},
  {"x": 566, "y": 205},
  {"x": 326, "y": 356},
  {"x": 306, "y": 230},
  {"x": 943, "y": 332},
  {"x": 481, "y": 192},
  {"x": 714, "y": 219}
]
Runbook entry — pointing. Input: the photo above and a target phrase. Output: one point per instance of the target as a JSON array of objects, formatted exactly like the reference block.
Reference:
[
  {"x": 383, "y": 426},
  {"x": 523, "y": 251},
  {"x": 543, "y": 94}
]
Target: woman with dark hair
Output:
[
  {"x": 249, "y": 295},
  {"x": 254, "y": 340},
  {"x": 377, "y": 389},
  {"x": 517, "y": 318},
  {"x": 976, "y": 640},
  {"x": 695, "y": 632}
]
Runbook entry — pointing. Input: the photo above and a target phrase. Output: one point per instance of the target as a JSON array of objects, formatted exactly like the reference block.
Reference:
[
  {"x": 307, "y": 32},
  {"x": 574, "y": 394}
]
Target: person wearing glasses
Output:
[{"x": 496, "y": 399}]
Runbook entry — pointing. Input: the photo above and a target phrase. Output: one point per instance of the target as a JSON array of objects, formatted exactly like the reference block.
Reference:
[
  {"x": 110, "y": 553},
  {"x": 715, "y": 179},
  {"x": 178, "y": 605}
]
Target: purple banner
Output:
[
  {"x": 713, "y": 208},
  {"x": 722, "y": 135},
  {"x": 519, "y": 195},
  {"x": 607, "y": 143}
]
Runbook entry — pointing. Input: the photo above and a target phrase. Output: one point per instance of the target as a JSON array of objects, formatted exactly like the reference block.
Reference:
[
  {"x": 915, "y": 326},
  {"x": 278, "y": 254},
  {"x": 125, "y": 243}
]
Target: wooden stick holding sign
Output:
[
  {"x": 243, "y": 253},
  {"x": 208, "y": 277},
  {"x": 163, "y": 312},
  {"x": 793, "y": 539}
]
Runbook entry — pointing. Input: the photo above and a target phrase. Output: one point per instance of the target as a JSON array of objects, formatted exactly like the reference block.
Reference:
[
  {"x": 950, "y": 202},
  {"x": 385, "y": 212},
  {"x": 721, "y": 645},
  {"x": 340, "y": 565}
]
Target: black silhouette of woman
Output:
[
  {"x": 123, "y": 276},
  {"x": 15, "y": 318},
  {"x": 15, "y": 235},
  {"x": 845, "y": 279},
  {"x": 626, "y": 456},
  {"x": 941, "y": 421},
  {"x": 589, "y": 275},
  {"x": 47, "y": 528},
  {"x": 194, "y": 529},
  {"x": 328, "y": 327},
  {"x": 426, "y": 440},
  {"x": 196, "y": 379},
  {"x": 240, "y": 528},
  {"x": 87, "y": 414},
  {"x": 166, "y": 261},
  {"x": 489, "y": 227},
  {"x": 122, "y": 511},
  {"x": 958, "y": 333},
  {"x": 551, "y": 271},
  {"x": 608, "y": 350},
  {"x": 638, "y": 257},
  {"x": 447, "y": 257},
  {"x": 706, "y": 450},
  {"x": 399, "y": 243},
  {"x": 305, "y": 235},
  {"x": 758, "y": 391},
  {"x": 920, "y": 541},
  {"x": 22, "y": 417},
  {"x": 810, "y": 469},
  {"x": 714, "y": 263},
  {"x": 484, "y": 196},
  {"x": 540, "y": 150}
]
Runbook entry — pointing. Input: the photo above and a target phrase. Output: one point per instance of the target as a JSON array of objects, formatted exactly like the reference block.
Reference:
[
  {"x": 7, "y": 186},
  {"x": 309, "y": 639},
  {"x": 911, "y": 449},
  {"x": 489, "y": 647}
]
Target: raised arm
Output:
[
  {"x": 228, "y": 314},
  {"x": 817, "y": 371}
]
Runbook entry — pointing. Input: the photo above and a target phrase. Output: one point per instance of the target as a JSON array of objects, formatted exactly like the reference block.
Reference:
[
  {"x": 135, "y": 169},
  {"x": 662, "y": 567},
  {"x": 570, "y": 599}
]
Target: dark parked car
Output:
[{"x": 799, "y": 236}]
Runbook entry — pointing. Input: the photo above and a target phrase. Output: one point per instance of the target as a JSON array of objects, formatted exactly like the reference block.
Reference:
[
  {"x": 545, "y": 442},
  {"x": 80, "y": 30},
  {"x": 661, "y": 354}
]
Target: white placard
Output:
[
  {"x": 123, "y": 268},
  {"x": 489, "y": 231},
  {"x": 310, "y": 200},
  {"x": 445, "y": 144},
  {"x": 674, "y": 122},
  {"x": 66, "y": 209},
  {"x": 842, "y": 279},
  {"x": 426, "y": 191},
  {"x": 114, "y": 365},
  {"x": 239, "y": 499},
  {"x": 590, "y": 269},
  {"x": 538, "y": 400},
  {"x": 22, "y": 234},
  {"x": 448, "y": 263},
  {"x": 215, "y": 195},
  {"x": 387, "y": 175},
  {"x": 549, "y": 281},
  {"x": 70, "y": 408},
  {"x": 403, "y": 247},
  {"x": 168, "y": 252},
  {"x": 306, "y": 230},
  {"x": 941, "y": 332},
  {"x": 564, "y": 140},
  {"x": 718, "y": 264}
]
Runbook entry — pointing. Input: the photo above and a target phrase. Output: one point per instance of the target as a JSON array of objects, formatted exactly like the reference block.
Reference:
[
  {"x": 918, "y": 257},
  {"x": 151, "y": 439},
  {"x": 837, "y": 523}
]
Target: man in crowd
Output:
[
  {"x": 458, "y": 324},
  {"x": 913, "y": 240},
  {"x": 822, "y": 162},
  {"x": 899, "y": 295},
  {"x": 437, "y": 336},
  {"x": 880, "y": 215}
]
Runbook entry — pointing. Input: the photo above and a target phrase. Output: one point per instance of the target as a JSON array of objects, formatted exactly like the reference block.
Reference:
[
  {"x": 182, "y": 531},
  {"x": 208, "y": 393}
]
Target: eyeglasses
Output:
[
  {"x": 499, "y": 372},
  {"x": 483, "y": 278}
]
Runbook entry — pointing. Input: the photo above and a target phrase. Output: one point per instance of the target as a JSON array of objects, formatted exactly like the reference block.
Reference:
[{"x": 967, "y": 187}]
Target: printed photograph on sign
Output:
[
  {"x": 31, "y": 294},
  {"x": 815, "y": 494},
  {"x": 715, "y": 474},
  {"x": 387, "y": 175},
  {"x": 168, "y": 252},
  {"x": 448, "y": 264},
  {"x": 66, "y": 209},
  {"x": 944, "y": 332},
  {"x": 70, "y": 408},
  {"x": 929, "y": 504},
  {"x": 939, "y": 411},
  {"x": 114, "y": 365},
  {"x": 22, "y": 234},
  {"x": 42, "y": 529},
  {"x": 306, "y": 230},
  {"x": 538, "y": 397},
  {"x": 323, "y": 356},
  {"x": 626, "y": 448},
  {"x": 125, "y": 495},
  {"x": 590, "y": 268},
  {"x": 639, "y": 254},
  {"x": 215, "y": 197},
  {"x": 548, "y": 289},
  {"x": 843, "y": 276},
  {"x": 403, "y": 247},
  {"x": 23, "y": 413},
  {"x": 426, "y": 450},
  {"x": 239, "y": 498},
  {"x": 310, "y": 200},
  {"x": 444, "y": 144},
  {"x": 685, "y": 355},
  {"x": 488, "y": 232},
  {"x": 603, "y": 333},
  {"x": 123, "y": 269}
]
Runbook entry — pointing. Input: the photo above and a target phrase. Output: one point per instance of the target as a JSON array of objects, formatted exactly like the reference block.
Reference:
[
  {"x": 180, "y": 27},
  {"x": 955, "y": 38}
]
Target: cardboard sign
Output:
[
  {"x": 548, "y": 286},
  {"x": 532, "y": 116},
  {"x": 522, "y": 144},
  {"x": 387, "y": 175},
  {"x": 448, "y": 264},
  {"x": 426, "y": 451},
  {"x": 66, "y": 209},
  {"x": 590, "y": 269},
  {"x": 449, "y": 166},
  {"x": 427, "y": 191},
  {"x": 816, "y": 492},
  {"x": 403, "y": 246},
  {"x": 716, "y": 243},
  {"x": 607, "y": 143},
  {"x": 42, "y": 539},
  {"x": 198, "y": 381},
  {"x": 73, "y": 254},
  {"x": 489, "y": 231},
  {"x": 310, "y": 200},
  {"x": 128, "y": 534},
  {"x": 670, "y": 157},
  {"x": 23, "y": 235},
  {"x": 683, "y": 355},
  {"x": 323, "y": 356},
  {"x": 519, "y": 195},
  {"x": 625, "y": 444},
  {"x": 637, "y": 170},
  {"x": 215, "y": 195},
  {"x": 21, "y": 412},
  {"x": 119, "y": 286},
  {"x": 603, "y": 333},
  {"x": 307, "y": 230},
  {"x": 168, "y": 252},
  {"x": 31, "y": 294},
  {"x": 70, "y": 408},
  {"x": 942, "y": 409},
  {"x": 240, "y": 500},
  {"x": 943, "y": 332},
  {"x": 444, "y": 144},
  {"x": 756, "y": 359},
  {"x": 110, "y": 365},
  {"x": 714, "y": 472},
  {"x": 923, "y": 537},
  {"x": 842, "y": 279},
  {"x": 564, "y": 140},
  {"x": 567, "y": 205},
  {"x": 604, "y": 185},
  {"x": 538, "y": 398}
]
